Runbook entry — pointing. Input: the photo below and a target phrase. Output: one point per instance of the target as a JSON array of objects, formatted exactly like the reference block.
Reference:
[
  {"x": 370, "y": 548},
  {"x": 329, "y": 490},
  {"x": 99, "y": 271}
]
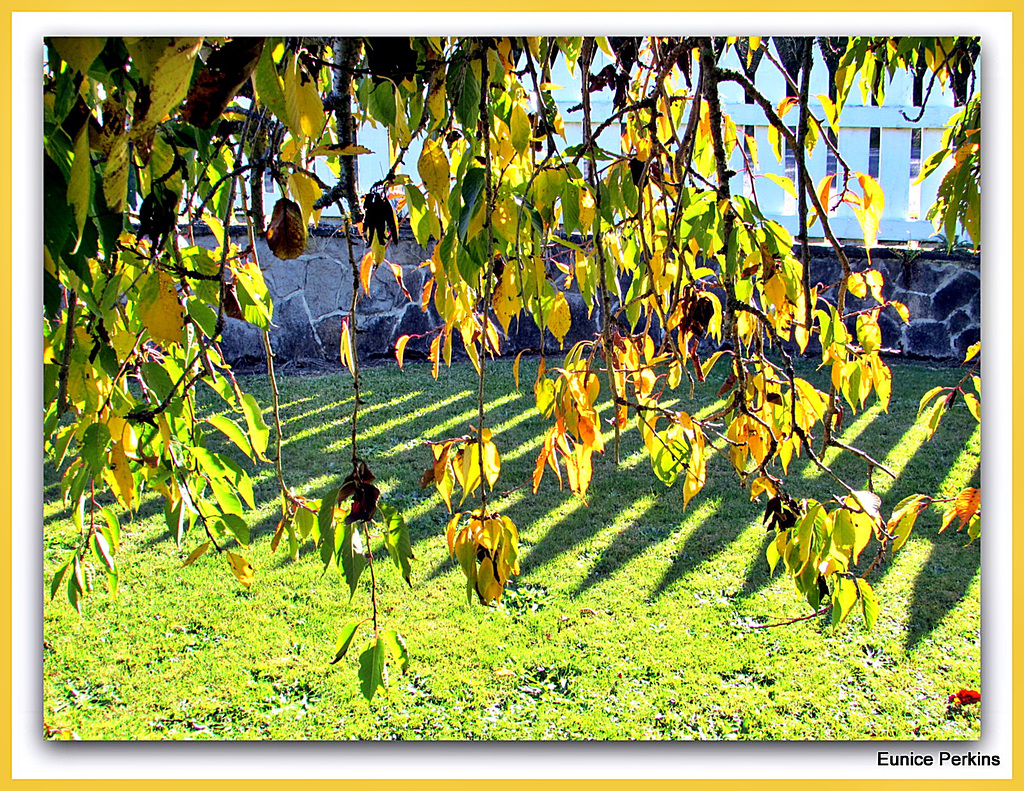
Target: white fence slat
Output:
[{"x": 894, "y": 171}]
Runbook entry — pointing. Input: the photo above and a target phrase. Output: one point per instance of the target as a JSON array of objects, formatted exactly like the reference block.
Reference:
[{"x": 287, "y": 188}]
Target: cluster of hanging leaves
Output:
[
  {"x": 656, "y": 239},
  {"x": 145, "y": 138},
  {"x": 133, "y": 310}
]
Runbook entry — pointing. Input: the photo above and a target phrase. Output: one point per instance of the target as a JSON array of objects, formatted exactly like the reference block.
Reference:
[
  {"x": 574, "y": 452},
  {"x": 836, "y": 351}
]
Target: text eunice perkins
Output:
[{"x": 945, "y": 759}]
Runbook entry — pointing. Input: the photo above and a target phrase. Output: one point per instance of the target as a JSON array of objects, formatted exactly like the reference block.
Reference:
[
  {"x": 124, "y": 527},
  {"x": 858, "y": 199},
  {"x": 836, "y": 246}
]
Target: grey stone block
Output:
[
  {"x": 892, "y": 329},
  {"x": 242, "y": 343},
  {"x": 957, "y": 322},
  {"x": 966, "y": 339},
  {"x": 329, "y": 331},
  {"x": 928, "y": 338},
  {"x": 926, "y": 277},
  {"x": 962, "y": 289},
  {"x": 374, "y": 336},
  {"x": 292, "y": 336},
  {"x": 328, "y": 286}
]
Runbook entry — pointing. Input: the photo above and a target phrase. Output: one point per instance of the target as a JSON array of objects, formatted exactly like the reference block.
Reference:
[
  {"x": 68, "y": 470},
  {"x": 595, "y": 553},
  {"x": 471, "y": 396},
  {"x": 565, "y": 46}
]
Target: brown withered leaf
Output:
[
  {"x": 427, "y": 478},
  {"x": 286, "y": 235},
  {"x": 364, "y": 504},
  {"x": 359, "y": 486},
  {"x": 229, "y": 296},
  {"x": 226, "y": 72}
]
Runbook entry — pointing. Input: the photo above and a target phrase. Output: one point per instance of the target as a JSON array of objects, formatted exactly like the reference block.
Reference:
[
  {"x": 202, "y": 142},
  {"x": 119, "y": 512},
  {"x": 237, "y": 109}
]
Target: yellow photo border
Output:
[{"x": 517, "y": 760}]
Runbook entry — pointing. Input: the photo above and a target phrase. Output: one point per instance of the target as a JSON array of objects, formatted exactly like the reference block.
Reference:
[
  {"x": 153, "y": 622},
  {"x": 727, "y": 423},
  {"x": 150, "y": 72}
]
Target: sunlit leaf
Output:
[
  {"x": 372, "y": 670},
  {"x": 400, "y": 350},
  {"x": 397, "y": 648},
  {"x": 241, "y": 568},
  {"x": 345, "y": 637},
  {"x": 397, "y": 541},
  {"x": 196, "y": 553}
]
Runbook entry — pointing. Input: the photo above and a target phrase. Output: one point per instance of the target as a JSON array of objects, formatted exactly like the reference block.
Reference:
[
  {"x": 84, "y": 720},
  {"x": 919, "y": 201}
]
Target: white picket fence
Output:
[{"x": 879, "y": 141}]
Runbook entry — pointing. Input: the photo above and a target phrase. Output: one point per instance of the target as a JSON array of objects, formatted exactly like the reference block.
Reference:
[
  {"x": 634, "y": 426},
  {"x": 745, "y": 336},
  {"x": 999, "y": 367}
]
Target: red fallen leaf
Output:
[{"x": 965, "y": 697}]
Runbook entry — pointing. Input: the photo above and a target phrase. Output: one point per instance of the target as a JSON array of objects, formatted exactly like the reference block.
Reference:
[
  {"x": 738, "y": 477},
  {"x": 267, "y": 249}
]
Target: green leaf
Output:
[
  {"x": 101, "y": 549},
  {"x": 325, "y": 526},
  {"x": 397, "y": 541},
  {"x": 259, "y": 432},
  {"x": 58, "y": 578},
  {"x": 464, "y": 89},
  {"x": 353, "y": 561},
  {"x": 113, "y": 529},
  {"x": 304, "y": 520},
  {"x": 237, "y": 526},
  {"x": 519, "y": 128},
  {"x": 79, "y": 193},
  {"x": 174, "y": 516},
  {"x": 203, "y": 315},
  {"x": 345, "y": 637},
  {"x": 269, "y": 86},
  {"x": 372, "y": 670},
  {"x": 325, "y": 516},
  {"x": 396, "y": 645},
  {"x": 472, "y": 189},
  {"x": 382, "y": 103},
  {"x": 226, "y": 498},
  {"x": 232, "y": 431},
  {"x": 94, "y": 447}
]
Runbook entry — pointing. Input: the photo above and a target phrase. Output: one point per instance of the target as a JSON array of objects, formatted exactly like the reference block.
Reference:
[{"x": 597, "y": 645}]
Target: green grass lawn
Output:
[{"x": 629, "y": 620}]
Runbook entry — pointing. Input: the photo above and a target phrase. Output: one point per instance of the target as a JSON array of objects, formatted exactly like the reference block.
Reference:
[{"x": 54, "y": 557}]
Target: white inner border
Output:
[{"x": 32, "y": 757}]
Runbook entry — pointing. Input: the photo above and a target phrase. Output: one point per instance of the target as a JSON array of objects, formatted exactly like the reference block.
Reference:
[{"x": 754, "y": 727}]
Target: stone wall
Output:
[{"x": 312, "y": 293}]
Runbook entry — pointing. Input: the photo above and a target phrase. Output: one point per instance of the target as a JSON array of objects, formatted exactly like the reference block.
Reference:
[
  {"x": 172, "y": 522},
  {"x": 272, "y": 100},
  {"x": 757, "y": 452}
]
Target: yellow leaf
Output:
[
  {"x": 168, "y": 82},
  {"x": 520, "y": 131},
  {"x": 242, "y": 569},
  {"x": 305, "y": 192},
  {"x": 972, "y": 351},
  {"x": 588, "y": 208},
  {"x": 292, "y": 88},
  {"x": 560, "y": 319},
  {"x": 506, "y": 299},
  {"x": 400, "y": 350},
  {"x": 366, "y": 270},
  {"x": 311, "y": 109},
  {"x": 161, "y": 311},
  {"x": 115, "y": 174},
  {"x": 492, "y": 463},
  {"x": 434, "y": 170},
  {"x": 79, "y": 51},
  {"x": 869, "y": 214},
  {"x": 515, "y": 367},
  {"x": 80, "y": 181},
  {"x": 121, "y": 431},
  {"x": 964, "y": 507},
  {"x": 120, "y": 475},
  {"x": 196, "y": 553},
  {"x": 902, "y": 310},
  {"x": 856, "y": 285},
  {"x": 436, "y": 102},
  {"x": 346, "y": 346}
]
